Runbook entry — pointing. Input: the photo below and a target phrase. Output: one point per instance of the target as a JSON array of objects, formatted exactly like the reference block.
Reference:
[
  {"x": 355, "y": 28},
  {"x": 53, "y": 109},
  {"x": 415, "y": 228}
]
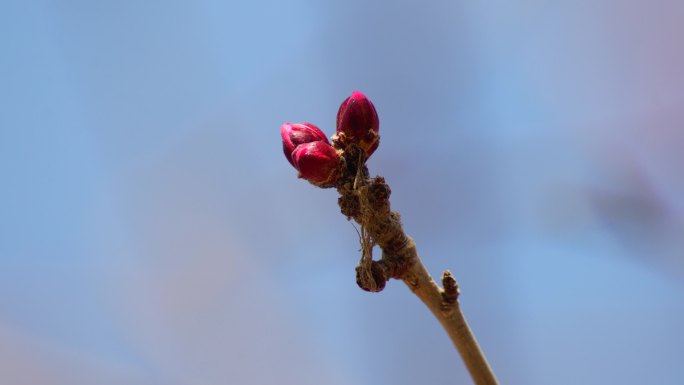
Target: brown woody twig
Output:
[{"x": 366, "y": 200}]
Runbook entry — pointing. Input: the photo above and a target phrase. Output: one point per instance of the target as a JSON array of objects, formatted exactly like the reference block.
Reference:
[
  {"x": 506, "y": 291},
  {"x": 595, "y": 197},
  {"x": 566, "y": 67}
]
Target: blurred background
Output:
[{"x": 152, "y": 232}]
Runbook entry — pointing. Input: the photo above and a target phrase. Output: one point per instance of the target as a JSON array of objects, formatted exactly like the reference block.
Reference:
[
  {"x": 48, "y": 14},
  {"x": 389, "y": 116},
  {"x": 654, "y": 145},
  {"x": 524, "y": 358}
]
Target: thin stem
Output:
[
  {"x": 452, "y": 319},
  {"x": 366, "y": 201}
]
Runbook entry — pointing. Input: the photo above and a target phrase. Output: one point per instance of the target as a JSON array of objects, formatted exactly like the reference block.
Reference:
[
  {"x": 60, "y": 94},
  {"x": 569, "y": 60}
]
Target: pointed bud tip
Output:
[{"x": 357, "y": 95}]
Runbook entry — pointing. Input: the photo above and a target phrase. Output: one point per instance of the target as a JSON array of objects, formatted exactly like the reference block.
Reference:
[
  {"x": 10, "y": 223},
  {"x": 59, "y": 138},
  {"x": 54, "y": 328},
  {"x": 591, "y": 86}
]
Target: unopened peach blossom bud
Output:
[
  {"x": 294, "y": 134},
  {"x": 357, "y": 122},
  {"x": 318, "y": 162}
]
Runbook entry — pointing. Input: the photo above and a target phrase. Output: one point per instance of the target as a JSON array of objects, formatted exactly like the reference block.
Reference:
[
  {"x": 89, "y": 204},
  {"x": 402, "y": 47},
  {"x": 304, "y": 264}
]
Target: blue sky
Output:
[{"x": 151, "y": 232}]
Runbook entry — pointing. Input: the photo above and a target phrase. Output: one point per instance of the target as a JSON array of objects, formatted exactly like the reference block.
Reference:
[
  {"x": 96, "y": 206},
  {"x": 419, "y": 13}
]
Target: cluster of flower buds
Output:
[{"x": 307, "y": 148}]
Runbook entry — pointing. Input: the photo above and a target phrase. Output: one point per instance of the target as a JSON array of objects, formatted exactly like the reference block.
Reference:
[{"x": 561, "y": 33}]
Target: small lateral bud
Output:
[
  {"x": 318, "y": 162},
  {"x": 357, "y": 122},
  {"x": 294, "y": 134}
]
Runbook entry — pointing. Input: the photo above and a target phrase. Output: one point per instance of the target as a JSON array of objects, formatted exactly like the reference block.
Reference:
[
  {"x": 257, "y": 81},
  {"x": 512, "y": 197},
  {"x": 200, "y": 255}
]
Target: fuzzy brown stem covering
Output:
[{"x": 366, "y": 200}]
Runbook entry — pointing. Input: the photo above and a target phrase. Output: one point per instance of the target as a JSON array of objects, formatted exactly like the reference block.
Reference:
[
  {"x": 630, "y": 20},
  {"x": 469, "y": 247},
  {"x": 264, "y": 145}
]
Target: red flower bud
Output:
[
  {"x": 294, "y": 134},
  {"x": 357, "y": 122},
  {"x": 318, "y": 162}
]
